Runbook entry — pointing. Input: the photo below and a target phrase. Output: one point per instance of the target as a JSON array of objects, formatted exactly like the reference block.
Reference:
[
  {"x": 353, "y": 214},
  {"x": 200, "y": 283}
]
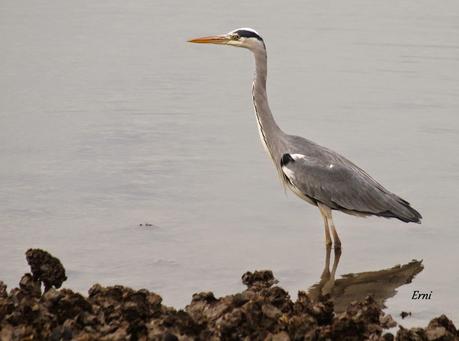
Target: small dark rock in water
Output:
[
  {"x": 263, "y": 311},
  {"x": 404, "y": 314},
  {"x": 147, "y": 225},
  {"x": 45, "y": 268}
]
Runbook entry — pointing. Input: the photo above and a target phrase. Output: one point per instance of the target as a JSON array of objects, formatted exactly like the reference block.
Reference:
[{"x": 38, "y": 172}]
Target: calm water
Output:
[{"x": 110, "y": 120}]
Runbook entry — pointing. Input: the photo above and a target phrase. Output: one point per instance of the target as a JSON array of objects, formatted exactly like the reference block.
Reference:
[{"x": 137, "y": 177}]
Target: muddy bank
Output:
[{"x": 38, "y": 310}]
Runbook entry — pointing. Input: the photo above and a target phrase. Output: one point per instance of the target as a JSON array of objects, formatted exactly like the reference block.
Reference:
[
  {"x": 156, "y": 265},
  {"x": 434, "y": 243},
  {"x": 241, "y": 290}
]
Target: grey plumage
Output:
[
  {"x": 316, "y": 174},
  {"x": 327, "y": 177}
]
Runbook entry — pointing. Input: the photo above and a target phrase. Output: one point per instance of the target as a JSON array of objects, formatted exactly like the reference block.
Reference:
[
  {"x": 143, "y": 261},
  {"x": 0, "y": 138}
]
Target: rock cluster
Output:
[
  {"x": 45, "y": 268},
  {"x": 263, "y": 311}
]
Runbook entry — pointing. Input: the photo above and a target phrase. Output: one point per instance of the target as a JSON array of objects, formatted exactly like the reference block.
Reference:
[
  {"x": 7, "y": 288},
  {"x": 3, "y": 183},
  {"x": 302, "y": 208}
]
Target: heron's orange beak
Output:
[{"x": 220, "y": 39}]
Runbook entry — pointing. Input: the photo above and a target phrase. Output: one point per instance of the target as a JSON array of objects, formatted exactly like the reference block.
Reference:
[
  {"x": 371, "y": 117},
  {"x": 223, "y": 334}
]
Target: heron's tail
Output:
[{"x": 402, "y": 210}]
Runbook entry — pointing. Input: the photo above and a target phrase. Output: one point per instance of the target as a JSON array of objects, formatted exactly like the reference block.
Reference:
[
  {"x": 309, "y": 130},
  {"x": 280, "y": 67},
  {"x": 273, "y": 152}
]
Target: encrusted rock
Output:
[
  {"x": 263, "y": 311},
  {"x": 30, "y": 286},
  {"x": 3, "y": 291},
  {"x": 46, "y": 268},
  {"x": 264, "y": 278}
]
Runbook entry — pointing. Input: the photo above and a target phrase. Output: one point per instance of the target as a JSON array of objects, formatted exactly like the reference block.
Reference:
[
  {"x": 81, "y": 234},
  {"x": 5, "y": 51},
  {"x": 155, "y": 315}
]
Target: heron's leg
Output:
[
  {"x": 336, "y": 261},
  {"x": 326, "y": 272},
  {"x": 329, "y": 283},
  {"x": 336, "y": 239},
  {"x": 323, "y": 211}
]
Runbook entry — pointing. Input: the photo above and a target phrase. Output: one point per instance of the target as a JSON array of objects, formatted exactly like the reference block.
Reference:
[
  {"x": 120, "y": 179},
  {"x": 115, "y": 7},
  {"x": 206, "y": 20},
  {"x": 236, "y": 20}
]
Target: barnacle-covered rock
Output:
[{"x": 264, "y": 311}]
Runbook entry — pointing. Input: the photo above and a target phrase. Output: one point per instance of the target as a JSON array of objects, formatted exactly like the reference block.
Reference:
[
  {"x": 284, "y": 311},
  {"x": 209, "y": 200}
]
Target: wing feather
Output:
[{"x": 339, "y": 184}]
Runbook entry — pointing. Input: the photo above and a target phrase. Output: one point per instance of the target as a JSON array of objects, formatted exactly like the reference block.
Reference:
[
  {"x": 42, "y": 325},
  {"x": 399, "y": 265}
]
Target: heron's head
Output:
[{"x": 242, "y": 37}]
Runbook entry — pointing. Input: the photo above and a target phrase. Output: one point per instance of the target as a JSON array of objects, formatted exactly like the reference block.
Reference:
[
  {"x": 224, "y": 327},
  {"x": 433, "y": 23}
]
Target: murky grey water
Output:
[{"x": 109, "y": 119}]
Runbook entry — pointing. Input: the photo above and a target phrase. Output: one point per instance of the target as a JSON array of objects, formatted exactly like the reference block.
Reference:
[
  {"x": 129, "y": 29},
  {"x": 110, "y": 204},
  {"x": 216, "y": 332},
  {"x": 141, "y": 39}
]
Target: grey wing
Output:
[{"x": 339, "y": 184}]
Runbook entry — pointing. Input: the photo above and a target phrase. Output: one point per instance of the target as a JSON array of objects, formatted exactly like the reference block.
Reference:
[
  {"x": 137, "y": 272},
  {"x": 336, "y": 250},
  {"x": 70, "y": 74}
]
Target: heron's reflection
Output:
[{"x": 381, "y": 284}]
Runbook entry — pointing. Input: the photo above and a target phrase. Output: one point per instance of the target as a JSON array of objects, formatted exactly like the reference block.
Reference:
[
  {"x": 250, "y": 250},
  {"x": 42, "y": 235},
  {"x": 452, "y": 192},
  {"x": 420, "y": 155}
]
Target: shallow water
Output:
[{"x": 109, "y": 120}]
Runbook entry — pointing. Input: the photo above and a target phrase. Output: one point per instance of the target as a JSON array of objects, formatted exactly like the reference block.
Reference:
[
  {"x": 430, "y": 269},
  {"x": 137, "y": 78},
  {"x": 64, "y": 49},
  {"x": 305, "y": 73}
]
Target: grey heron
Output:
[{"x": 316, "y": 174}]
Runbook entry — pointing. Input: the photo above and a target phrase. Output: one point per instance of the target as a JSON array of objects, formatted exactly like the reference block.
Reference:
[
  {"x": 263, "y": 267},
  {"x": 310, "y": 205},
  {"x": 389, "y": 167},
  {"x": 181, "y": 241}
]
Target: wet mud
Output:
[{"x": 38, "y": 310}]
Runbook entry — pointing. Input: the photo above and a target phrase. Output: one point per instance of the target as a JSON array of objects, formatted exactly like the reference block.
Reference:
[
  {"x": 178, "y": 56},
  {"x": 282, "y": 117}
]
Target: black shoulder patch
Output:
[
  {"x": 248, "y": 34},
  {"x": 285, "y": 159}
]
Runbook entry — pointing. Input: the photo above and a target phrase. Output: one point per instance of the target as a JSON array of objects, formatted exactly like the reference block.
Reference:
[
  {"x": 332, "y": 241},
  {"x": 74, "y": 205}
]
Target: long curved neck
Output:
[{"x": 270, "y": 132}]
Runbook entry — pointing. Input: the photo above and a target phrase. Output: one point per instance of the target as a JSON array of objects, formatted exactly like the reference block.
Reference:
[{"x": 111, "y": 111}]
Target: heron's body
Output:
[{"x": 316, "y": 174}]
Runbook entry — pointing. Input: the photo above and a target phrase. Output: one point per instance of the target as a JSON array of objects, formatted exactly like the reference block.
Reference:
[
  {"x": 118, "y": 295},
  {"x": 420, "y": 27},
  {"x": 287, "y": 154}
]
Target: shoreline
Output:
[{"x": 38, "y": 309}]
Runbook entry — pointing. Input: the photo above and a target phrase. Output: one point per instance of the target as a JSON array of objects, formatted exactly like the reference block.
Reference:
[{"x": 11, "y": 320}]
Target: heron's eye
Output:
[{"x": 235, "y": 36}]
